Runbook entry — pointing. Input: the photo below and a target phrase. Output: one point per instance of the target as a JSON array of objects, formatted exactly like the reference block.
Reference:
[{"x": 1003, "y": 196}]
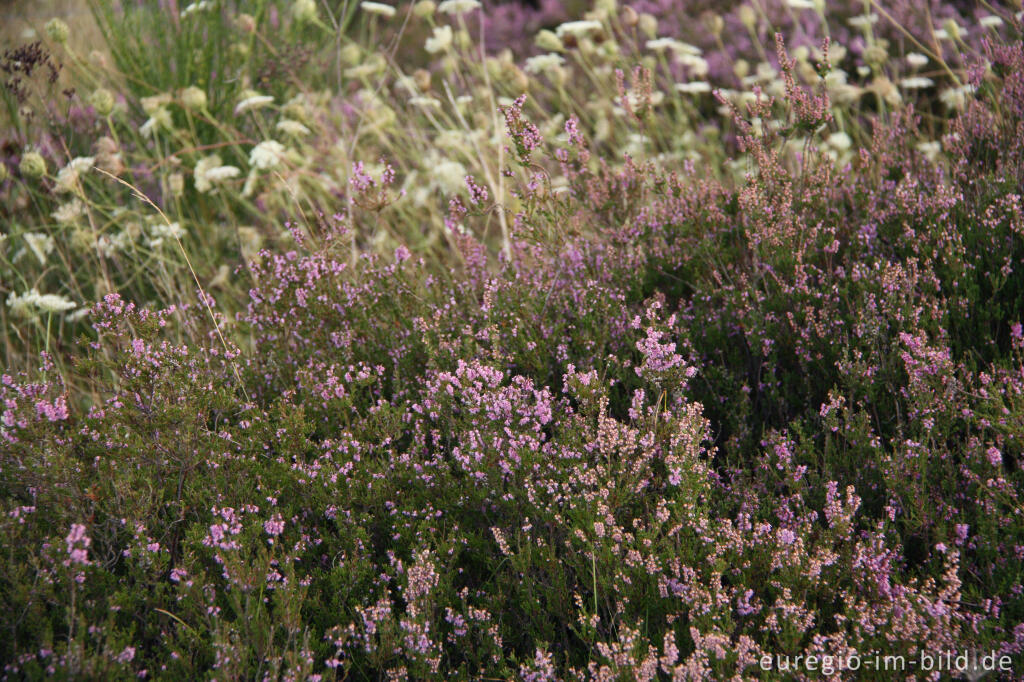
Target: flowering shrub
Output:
[{"x": 537, "y": 396}]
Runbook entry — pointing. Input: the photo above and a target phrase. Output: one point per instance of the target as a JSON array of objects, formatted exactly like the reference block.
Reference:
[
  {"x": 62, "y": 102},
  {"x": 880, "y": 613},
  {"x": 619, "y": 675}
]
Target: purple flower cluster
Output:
[{"x": 679, "y": 426}]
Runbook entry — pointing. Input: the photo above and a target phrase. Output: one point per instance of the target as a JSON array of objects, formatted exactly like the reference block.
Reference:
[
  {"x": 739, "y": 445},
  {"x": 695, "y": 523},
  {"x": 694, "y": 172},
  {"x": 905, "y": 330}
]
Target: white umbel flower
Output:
[
  {"x": 67, "y": 177},
  {"x": 458, "y": 6},
  {"x": 544, "y": 63},
  {"x": 266, "y": 155},
  {"x": 379, "y": 8},
  {"x": 40, "y": 244},
  {"x": 578, "y": 29},
  {"x": 440, "y": 41},
  {"x": 210, "y": 170},
  {"x": 69, "y": 212},
  {"x": 840, "y": 141},
  {"x": 916, "y": 83},
  {"x": 252, "y": 103},
  {"x": 676, "y": 46},
  {"x": 33, "y": 302},
  {"x": 693, "y": 87},
  {"x": 293, "y": 128},
  {"x": 916, "y": 60}
]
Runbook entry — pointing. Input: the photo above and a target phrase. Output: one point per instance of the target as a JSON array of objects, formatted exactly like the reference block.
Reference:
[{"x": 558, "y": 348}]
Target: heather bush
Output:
[{"x": 608, "y": 404}]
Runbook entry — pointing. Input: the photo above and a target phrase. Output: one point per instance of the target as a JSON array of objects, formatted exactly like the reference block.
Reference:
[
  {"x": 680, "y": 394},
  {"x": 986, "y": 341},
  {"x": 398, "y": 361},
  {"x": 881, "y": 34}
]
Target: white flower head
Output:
[
  {"x": 676, "y": 46},
  {"x": 266, "y": 155},
  {"x": 165, "y": 231},
  {"x": 32, "y": 301},
  {"x": 67, "y": 177},
  {"x": 863, "y": 21},
  {"x": 450, "y": 176},
  {"x": 52, "y": 303},
  {"x": 693, "y": 87},
  {"x": 840, "y": 141},
  {"x": 916, "y": 60},
  {"x": 379, "y": 8},
  {"x": 293, "y": 128},
  {"x": 222, "y": 173},
  {"x": 916, "y": 83},
  {"x": 544, "y": 63},
  {"x": 159, "y": 119},
  {"x": 578, "y": 29},
  {"x": 458, "y": 6},
  {"x": 440, "y": 41},
  {"x": 930, "y": 148},
  {"x": 252, "y": 103},
  {"x": 425, "y": 102},
  {"x": 304, "y": 11},
  {"x": 69, "y": 212},
  {"x": 698, "y": 66},
  {"x": 195, "y": 7},
  {"x": 40, "y": 244},
  {"x": 210, "y": 171}
]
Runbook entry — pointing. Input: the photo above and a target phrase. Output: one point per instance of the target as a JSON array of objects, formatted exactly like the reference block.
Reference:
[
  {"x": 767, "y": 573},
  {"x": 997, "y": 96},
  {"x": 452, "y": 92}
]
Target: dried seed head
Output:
[{"x": 422, "y": 79}]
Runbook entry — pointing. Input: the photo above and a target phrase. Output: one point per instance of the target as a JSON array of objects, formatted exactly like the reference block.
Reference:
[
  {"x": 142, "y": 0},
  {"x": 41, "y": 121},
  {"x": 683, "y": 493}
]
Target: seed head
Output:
[
  {"x": 57, "y": 31},
  {"x": 32, "y": 165},
  {"x": 102, "y": 100}
]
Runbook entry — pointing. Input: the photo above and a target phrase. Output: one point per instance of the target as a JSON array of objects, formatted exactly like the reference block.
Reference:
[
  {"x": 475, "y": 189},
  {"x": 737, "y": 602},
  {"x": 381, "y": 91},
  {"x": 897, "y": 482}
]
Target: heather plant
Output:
[{"x": 594, "y": 407}]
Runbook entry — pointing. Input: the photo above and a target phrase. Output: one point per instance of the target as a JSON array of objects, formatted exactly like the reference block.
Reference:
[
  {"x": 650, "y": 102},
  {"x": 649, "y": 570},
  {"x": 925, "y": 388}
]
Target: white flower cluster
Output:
[
  {"x": 210, "y": 171},
  {"x": 32, "y": 302}
]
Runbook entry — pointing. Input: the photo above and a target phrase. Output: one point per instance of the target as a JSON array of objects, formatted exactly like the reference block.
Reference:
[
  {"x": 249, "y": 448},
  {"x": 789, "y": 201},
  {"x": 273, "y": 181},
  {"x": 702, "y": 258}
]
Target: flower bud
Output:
[
  {"x": 246, "y": 23},
  {"x": 176, "y": 184},
  {"x": 102, "y": 100},
  {"x": 629, "y": 17},
  {"x": 57, "y": 31},
  {"x": 548, "y": 41},
  {"x": 32, "y": 165},
  {"x": 4, "y": 173},
  {"x": 748, "y": 17},
  {"x": 422, "y": 79},
  {"x": 875, "y": 55},
  {"x": 424, "y": 8},
  {"x": 952, "y": 29},
  {"x": 193, "y": 98},
  {"x": 715, "y": 24},
  {"x": 648, "y": 24},
  {"x": 304, "y": 11}
]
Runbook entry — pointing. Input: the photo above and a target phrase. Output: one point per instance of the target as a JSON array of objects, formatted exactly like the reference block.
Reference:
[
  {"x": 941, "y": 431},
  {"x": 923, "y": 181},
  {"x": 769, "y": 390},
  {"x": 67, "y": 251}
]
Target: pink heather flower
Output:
[
  {"x": 274, "y": 526},
  {"x": 477, "y": 193},
  {"x": 55, "y": 411},
  {"x": 941, "y": 547},
  {"x": 787, "y": 537},
  {"x": 127, "y": 655},
  {"x": 77, "y": 544},
  {"x": 153, "y": 547},
  {"x": 995, "y": 458},
  {"x": 961, "y": 530}
]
